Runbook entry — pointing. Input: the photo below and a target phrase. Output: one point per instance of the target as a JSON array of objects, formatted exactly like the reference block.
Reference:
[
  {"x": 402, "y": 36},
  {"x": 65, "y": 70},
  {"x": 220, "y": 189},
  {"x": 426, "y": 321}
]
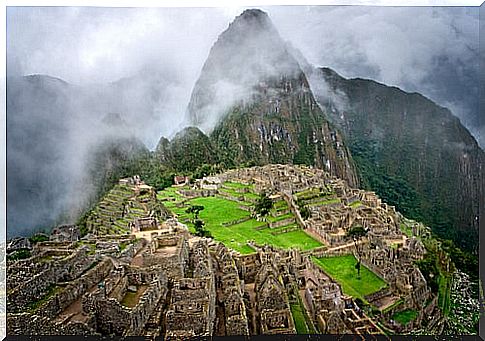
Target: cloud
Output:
[
  {"x": 431, "y": 50},
  {"x": 87, "y": 45},
  {"x": 415, "y": 48}
]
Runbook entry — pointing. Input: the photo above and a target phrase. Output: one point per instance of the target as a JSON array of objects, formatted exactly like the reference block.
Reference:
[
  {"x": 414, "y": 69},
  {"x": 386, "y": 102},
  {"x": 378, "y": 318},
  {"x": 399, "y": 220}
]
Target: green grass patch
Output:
[
  {"x": 355, "y": 204},
  {"x": 280, "y": 205},
  {"x": 130, "y": 300},
  {"x": 407, "y": 230},
  {"x": 405, "y": 316},
  {"x": 236, "y": 185},
  {"x": 250, "y": 195},
  {"x": 325, "y": 202},
  {"x": 218, "y": 211},
  {"x": 299, "y": 319},
  {"x": 245, "y": 249},
  {"x": 122, "y": 246},
  {"x": 342, "y": 269}
]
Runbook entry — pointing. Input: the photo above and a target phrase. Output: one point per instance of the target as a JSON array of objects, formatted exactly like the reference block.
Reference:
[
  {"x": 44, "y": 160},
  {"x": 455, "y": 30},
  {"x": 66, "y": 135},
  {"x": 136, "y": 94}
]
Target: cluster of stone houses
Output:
[{"x": 175, "y": 285}]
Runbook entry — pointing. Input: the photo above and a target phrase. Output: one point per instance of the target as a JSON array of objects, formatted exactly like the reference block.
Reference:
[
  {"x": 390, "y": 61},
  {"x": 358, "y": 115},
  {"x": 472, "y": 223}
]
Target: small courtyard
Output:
[{"x": 342, "y": 269}]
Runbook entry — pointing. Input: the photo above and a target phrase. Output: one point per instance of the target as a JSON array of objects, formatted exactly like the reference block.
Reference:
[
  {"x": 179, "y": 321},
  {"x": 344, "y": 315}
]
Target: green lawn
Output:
[
  {"x": 342, "y": 269},
  {"x": 219, "y": 210},
  {"x": 405, "y": 316},
  {"x": 299, "y": 319},
  {"x": 236, "y": 185}
]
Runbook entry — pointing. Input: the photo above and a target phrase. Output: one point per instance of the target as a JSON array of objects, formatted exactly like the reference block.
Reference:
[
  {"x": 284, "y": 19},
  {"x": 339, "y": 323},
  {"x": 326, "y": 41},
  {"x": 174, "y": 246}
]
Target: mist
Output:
[
  {"x": 142, "y": 64},
  {"x": 430, "y": 50}
]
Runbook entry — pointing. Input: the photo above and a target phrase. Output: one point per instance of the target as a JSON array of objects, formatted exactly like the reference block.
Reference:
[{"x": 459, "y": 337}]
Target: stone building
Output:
[{"x": 64, "y": 233}]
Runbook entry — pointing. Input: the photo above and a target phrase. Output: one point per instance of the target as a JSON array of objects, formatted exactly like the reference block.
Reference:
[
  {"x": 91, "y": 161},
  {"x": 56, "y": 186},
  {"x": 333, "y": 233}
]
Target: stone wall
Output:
[
  {"x": 237, "y": 221},
  {"x": 282, "y": 222},
  {"x": 30, "y": 324},
  {"x": 75, "y": 289},
  {"x": 114, "y": 318},
  {"x": 35, "y": 288},
  {"x": 282, "y": 231}
]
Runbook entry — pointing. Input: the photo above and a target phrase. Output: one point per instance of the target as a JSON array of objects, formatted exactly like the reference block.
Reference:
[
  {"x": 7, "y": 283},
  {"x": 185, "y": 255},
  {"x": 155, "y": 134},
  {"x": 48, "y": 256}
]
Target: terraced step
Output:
[
  {"x": 273, "y": 219},
  {"x": 325, "y": 202},
  {"x": 285, "y": 229}
]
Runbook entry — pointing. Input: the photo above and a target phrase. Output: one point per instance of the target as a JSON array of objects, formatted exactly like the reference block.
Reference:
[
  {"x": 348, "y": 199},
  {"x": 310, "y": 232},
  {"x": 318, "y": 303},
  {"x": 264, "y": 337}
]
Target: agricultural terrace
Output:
[
  {"x": 232, "y": 225},
  {"x": 342, "y": 269}
]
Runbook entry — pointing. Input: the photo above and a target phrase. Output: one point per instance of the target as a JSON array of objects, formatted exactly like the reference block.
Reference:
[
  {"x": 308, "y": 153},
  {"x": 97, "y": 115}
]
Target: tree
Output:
[
  {"x": 356, "y": 233},
  {"x": 200, "y": 230},
  {"x": 263, "y": 205},
  {"x": 195, "y": 210},
  {"x": 305, "y": 213}
]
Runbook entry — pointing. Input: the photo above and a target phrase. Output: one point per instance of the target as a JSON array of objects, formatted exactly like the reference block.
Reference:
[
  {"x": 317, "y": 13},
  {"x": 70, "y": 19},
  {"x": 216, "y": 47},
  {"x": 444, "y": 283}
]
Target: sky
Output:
[{"x": 431, "y": 50}]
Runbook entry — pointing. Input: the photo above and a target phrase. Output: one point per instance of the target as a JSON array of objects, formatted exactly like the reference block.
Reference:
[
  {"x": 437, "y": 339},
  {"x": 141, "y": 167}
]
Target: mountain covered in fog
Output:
[
  {"x": 414, "y": 153},
  {"x": 257, "y": 101},
  {"x": 257, "y": 97},
  {"x": 254, "y": 100},
  {"x": 64, "y": 142}
]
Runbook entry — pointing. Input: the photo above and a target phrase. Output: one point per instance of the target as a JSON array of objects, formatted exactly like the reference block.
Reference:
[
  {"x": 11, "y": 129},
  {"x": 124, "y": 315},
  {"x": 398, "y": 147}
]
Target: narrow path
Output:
[{"x": 360, "y": 242}]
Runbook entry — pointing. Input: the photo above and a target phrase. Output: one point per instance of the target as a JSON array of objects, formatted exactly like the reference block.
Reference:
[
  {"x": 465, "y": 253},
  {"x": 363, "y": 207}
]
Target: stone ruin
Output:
[
  {"x": 131, "y": 206},
  {"x": 64, "y": 233},
  {"x": 176, "y": 285}
]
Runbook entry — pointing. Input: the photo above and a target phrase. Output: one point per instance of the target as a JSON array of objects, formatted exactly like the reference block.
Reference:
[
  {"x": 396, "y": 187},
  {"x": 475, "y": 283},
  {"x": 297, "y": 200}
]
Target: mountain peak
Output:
[
  {"x": 253, "y": 16},
  {"x": 250, "y": 51}
]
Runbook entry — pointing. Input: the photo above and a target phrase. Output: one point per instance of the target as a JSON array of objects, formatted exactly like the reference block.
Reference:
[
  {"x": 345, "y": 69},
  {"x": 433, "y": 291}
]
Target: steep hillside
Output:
[
  {"x": 253, "y": 99},
  {"x": 413, "y": 153},
  {"x": 283, "y": 125}
]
